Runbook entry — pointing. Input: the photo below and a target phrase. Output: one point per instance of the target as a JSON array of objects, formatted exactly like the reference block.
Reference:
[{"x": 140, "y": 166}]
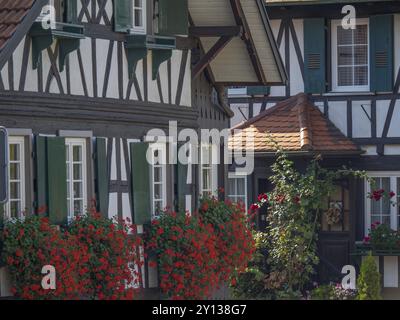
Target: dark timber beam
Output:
[
  {"x": 232, "y": 31},
  {"x": 210, "y": 56}
]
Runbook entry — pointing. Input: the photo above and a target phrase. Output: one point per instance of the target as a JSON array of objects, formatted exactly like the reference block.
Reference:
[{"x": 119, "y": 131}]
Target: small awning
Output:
[{"x": 237, "y": 41}]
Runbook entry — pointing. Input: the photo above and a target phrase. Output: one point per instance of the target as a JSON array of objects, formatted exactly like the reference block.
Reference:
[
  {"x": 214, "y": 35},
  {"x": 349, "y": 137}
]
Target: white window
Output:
[
  {"x": 158, "y": 178},
  {"x": 76, "y": 176},
  {"x": 208, "y": 170},
  {"x": 15, "y": 207},
  {"x": 350, "y": 57},
  {"x": 139, "y": 16},
  {"x": 237, "y": 188},
  {"x": 383, "y": 210}
]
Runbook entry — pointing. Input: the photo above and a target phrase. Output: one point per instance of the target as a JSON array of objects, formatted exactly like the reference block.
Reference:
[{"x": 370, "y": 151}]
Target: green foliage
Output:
[
  {"x": 332, "y": 292},
  {"x": 368, "y": 282},
  {"x": 294, "y": 207},
  {"x": 382, "y": 237},
  {"x": 324, "y": 292},
  {"x": 251, "y": 283}
]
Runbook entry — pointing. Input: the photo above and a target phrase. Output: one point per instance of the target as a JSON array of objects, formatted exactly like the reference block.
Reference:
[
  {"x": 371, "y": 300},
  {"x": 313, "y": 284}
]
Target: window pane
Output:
[
  {"x": 206, "y": 179},
  {"x": 345, "y": 76},
  {"x": 15, "y": 209},
  {"x": 138, "y": 18},
  {"x": 78, "y": 207},
  {"x": 205, "y": 155},
  {"x": 77, "y": 172},
  {"x": 241, "y": 186},
  {"x": 345, "y": 55},
  {"x": 15, "y": 190},
  {"x": 344, "y": 36},
  {"x": 77, "y": 153},
  {"x": 361, "y": 76},
  {"x": 78, "y": 190},
  {"x": 157, "y": 208},
  {"x": 231, "y": 186},
  {"x": 138, "y": 3},
  {"x": 157, "y": 191},
  {"x": 361, "y": 34},
  {"x": 361, "y": 54},
  {"x": 14, "y": 171},
  {"x": 15, "y": 152},
  {"x": 157, "y": 174}
]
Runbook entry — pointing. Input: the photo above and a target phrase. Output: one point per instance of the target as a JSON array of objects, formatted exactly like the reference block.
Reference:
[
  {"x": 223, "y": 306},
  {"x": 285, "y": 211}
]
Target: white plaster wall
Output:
[
  {"x": 361, "y": 123},
  {"x": 382, "y": 107},
  {"x": 338, "y": 115}
]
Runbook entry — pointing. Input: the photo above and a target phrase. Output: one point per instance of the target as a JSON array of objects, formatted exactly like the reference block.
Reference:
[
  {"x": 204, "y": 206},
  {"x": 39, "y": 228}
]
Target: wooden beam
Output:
[
  {"x": 232, "y": 31},
  {"x": 210, "y": 56}
]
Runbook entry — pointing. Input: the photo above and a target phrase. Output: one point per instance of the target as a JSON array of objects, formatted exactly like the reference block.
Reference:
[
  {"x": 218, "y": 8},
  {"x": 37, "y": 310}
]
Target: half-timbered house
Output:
[
  {"x": 351, "y": 80},
  {"x": 78, "y": 94}
]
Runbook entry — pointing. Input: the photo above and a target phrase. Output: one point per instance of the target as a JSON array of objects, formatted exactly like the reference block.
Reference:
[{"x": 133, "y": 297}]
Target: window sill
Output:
[{"x": 348, "y": 93}]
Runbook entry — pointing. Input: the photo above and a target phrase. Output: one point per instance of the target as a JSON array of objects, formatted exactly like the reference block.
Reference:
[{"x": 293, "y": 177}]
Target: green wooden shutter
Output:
[
  {"x": 173, "y": 19},
  {"x": 123, "y": 11},
  {"x": 258, "y": 91},
  {"x": 71, "y": 11},
  {"x": 41, "y": 175},
  {"x": 314, "y": 55},
  {"x": 381, "y": 53},
  {"x": 57, "y": 180},
  {"x": 140, "y": 183},
  {"x": 102, "y": 179}
]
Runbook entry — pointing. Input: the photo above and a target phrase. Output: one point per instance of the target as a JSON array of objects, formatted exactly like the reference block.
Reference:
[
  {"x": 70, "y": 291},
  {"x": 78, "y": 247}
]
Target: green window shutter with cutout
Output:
[
  {"x": 173, "y": 19},
  {"x": 258, "y": 91},
  {"x": 140, "y": 183},
  {"x": 71, "y": 12},
  {"x": 41, "y": 174},
  {"x": 314, "y": 55},
  {"x": 123, "y": 10},
  {"x": 381, "y": 53},
  {"x": 57, "y": 180},
  {"x": 102, "y": 177}
]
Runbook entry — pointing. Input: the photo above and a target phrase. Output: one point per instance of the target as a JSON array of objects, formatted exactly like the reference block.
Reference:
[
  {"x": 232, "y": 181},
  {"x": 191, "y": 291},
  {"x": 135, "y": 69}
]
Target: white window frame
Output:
[
  {"x": 237, "y": 175},
  {"x": 212, "y": 166},
  {"x": 18, "y": 140},
  {"x": 82, "y": 143},
  {"x": 142, "y": 29},
  {"x": 162, "y": 148},
  {"x": 393, "y": 175},
  {"x": 335, "y": 86}
]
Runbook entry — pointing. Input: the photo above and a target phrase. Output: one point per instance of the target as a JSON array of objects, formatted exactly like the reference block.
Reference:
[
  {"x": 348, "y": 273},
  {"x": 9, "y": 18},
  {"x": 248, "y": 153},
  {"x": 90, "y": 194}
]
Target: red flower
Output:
[
  {"x": 366, "y": 239},
  {"x": 254, "y": 207},
  {"x": 204, "y": 207},
  {"x": 296, "y": 199},
  {"x": 262, "y": 197},
  {"x": 392, "y": 194},
  {"x": 19, "y": 253},
  {"x": 160, "y": 231}
]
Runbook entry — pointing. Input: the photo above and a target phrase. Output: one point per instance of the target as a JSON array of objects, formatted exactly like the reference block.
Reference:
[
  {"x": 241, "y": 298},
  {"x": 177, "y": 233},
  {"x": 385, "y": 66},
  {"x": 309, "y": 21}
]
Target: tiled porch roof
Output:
[{"x": 296, "y": 125}]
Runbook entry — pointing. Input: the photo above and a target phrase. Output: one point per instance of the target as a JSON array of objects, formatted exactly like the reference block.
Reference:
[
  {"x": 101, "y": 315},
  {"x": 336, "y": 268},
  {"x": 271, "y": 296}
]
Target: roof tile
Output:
[
  {"x": 12, "y": 13},
  {"x": 295, "y": 124}
]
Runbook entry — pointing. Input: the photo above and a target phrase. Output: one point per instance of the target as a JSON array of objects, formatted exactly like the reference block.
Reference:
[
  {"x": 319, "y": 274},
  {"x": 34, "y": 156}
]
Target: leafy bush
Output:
[
  {"x": 368, "y": 282},
  {"x": 91, "y": 258},
  {"x": 381, "y": 237},
  {"x": 333, "y": 292},
  {"x": 197, "y": 253},
  {"x": 250, "y": 284},
  {"x": 187, "y": 257}
]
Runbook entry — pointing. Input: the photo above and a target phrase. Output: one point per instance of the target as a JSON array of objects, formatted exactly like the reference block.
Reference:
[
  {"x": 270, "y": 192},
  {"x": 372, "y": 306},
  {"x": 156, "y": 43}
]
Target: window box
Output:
[
  {"x": 364, "y": 250},
  {"x": 68, "y": 35},
  {"x": 137, "y": 46}
]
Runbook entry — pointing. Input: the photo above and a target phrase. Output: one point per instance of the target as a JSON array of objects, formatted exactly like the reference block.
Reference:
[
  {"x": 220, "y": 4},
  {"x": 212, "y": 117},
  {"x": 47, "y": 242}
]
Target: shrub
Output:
[
  {"x": 333, "y": 292},
  {"x": 381, "y": 237},
  {"x": 368, "y": 282},
  {"x": 187, "y": 257},
  {"x": 90, "y": 258},
  {"x": 235, "y": 245},
  {"x": 113, "y": 261},
  {"x": 33, "y": 243},
  {"x": 250, "y": 283}
]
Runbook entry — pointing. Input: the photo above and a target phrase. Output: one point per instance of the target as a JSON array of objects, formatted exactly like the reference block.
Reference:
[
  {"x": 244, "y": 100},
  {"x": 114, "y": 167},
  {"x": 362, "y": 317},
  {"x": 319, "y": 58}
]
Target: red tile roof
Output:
[
  {"x": 12, "y": 12},
  {"x": 295, "y": 124}
]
